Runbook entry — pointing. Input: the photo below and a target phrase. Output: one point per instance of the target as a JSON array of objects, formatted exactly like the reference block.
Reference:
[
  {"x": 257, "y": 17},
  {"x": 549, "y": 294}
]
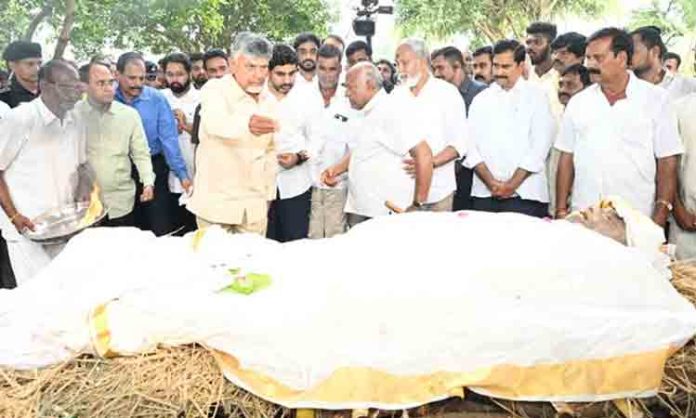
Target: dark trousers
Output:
[
  {"x": 7, "y": 279},
  {"x": 515, "y": 204},
  {"x": 462, "y": 197},
  {"x": 184, "y": 221},
  {"x": 288, "y": 219},
  {"x": 127, "y": 220},
  {"x": 155, "y": 215}
]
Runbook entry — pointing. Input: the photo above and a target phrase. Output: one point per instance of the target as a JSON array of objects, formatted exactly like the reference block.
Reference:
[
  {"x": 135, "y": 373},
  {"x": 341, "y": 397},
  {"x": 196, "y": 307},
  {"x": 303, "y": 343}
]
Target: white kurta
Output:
[
  {"x": 686, "y": 115},
  {"x": 39, "y": 157},
  {"x": 382, "y": 136},
  {"x": 187, "y": 104},
  {"x": 677, "y": 85},
  {"x": 614, "y": 147},
  {"x": 510, "y": 130},
  {"x": 442, "y": 113},
  {"x": 298, "y": 114}
]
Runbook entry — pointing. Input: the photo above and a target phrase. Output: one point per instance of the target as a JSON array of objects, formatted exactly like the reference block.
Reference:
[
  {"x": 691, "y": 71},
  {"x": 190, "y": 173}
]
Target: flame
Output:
[{"x": 95, "y": 208}]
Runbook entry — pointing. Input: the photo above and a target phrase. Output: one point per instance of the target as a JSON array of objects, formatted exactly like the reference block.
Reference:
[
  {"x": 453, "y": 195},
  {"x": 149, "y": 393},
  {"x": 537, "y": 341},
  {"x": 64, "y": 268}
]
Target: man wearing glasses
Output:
[
  {"x": 41, "y": 153},
  {"x": 163, "y": 140}
]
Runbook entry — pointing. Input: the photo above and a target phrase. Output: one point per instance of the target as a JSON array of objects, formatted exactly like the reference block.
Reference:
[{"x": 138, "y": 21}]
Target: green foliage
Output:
[
  {"x": 161, "y": 26},
  {"x": 674, "y": 17},
  {"x": 485, "y": 20}
]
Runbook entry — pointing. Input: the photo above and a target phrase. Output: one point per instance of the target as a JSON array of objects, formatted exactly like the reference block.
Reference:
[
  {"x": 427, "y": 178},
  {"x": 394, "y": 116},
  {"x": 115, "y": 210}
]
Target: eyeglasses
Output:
[
  {"x": 151, "y": 77},
  {"x": 69, "y": 86}
]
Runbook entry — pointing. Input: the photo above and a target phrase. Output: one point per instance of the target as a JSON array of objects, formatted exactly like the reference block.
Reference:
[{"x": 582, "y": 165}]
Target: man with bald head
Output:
[
  {"x": 443, "y": 116},
  {"x": 385, "y": 132},
  {"x": 114, "y": 137},
  {"x": 41, "y": 153}
]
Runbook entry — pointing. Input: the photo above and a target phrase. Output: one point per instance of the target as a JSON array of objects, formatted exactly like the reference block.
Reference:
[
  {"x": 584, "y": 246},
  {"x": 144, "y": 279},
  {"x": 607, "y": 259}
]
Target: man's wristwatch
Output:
[{"x": 665, "y": 204}]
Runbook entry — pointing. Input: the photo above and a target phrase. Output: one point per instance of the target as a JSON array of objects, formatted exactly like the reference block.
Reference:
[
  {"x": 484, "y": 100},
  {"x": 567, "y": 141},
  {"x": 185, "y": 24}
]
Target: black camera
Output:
[{"x": 363, "y": 24}]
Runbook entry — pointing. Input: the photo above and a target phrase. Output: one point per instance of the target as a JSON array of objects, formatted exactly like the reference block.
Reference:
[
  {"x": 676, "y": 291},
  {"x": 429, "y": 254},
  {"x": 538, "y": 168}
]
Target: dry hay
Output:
[
  {"x": 171, "y": 382},
  {"x": 187, "y": 382}
]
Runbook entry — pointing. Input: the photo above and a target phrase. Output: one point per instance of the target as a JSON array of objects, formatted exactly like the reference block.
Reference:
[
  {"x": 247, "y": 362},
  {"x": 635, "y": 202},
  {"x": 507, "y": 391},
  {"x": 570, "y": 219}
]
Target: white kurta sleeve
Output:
[
  {"x": 566, "y": 139},
  {"x": 666, "y": 141},
  {"x": 542, "y": 133},
  {"x": 13, "y": 135},
  {"x": 456, "y": 123},
  {"x": 476, "y": 118}
]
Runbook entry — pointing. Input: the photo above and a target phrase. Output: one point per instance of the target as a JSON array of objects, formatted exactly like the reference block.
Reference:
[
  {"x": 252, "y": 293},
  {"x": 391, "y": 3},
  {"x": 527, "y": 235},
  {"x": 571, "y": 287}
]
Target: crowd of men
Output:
[{"x": 310, "y": 139}]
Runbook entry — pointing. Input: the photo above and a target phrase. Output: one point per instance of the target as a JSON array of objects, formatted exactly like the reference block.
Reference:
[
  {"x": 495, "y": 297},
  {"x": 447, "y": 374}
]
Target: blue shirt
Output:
[{"x": 160, "y": 127}]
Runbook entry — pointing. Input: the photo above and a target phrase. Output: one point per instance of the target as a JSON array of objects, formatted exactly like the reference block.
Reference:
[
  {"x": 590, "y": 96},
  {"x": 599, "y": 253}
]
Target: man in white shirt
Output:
[
  {"x": 298, "y": 108},
  {"x": 540, "y": 36},
  {"x": 649, "y": 50},
  {"x": 619, "y": 136},
  {"x": 683, "y": 231},
  {"x": 41, "y": 152},
  {"x": 512, "y": 130},
  {"x": 327, "y": 216},
  {"x": 442, "y": 113},
  {"x": 4, "y": 108},
  {"x": 383, "y": 134},
  {"x": 183, "y": 99},
  {"x": 306, "y": 46}
]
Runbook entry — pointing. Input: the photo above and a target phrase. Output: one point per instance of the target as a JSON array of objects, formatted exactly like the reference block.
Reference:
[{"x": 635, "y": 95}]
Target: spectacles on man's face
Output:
[{"x": 151, "y": 77}]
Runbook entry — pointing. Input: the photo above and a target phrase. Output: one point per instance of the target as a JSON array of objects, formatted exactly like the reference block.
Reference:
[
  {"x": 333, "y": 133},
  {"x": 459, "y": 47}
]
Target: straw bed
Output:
[{"x": 186, "y": 381}]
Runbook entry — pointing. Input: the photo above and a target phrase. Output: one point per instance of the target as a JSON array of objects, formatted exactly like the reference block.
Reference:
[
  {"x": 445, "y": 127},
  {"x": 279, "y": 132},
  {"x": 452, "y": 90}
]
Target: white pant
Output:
[{"x": 28, "y": 258}]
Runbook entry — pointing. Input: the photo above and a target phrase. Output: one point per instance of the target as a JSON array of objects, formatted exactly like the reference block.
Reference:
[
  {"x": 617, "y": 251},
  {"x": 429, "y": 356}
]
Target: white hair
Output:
[
  {"x": 251, "y": 45},
  {"x": 370, "y": 72},
  {"x": 418, "y": 47}
]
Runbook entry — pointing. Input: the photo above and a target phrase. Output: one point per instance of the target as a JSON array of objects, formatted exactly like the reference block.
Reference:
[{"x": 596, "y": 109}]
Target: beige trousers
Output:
[
  {"x": 244, "y": 227},
  {"x": 327, "y": 217}
]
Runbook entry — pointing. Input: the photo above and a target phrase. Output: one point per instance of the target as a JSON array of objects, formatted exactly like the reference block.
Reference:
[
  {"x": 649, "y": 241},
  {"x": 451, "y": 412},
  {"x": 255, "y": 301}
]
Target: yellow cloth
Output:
[{"x": 235, "y": 170}]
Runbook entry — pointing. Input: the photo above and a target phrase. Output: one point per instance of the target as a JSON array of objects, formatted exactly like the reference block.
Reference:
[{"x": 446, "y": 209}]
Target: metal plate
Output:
[{"x": 60, "y": 224}]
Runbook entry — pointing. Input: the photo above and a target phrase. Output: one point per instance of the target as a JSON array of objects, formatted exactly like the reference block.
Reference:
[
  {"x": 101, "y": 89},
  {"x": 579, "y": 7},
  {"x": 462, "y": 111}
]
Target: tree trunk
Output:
[
  {"x": 45, "y": 12},
  {"x": 68, "y": 21}
]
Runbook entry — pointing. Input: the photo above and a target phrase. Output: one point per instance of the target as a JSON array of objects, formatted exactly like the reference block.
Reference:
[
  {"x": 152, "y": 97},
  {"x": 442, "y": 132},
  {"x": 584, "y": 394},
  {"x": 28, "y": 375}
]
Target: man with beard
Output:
[
  {"x": 448, "y": 65},
  {"x": 115, "y": 137},
  {"x": 512, "y": 130},
  {"x": 540, "y": 35},
  {"x": 23, "y": 59},
  {"x": 648, "y": 53},
  {"x": 618, "y": 136},
  {"x": 568, "y": 49},
  {"x": 162, "y": 138},
  {"x": 215, "y": 63},
  {"x": 388, "y": 72},
  {"x": 41, "y": 153},
  {"x": 236, "y": 161},
  {"x": 442, "y": 113},
  {"x": 199, "y": 74},
  {"x": 183, "y": 99},
  {"x": 298, "y": 108},
  {"x": 306, "y": 46},
  {"x": 483, "y": 65},
  {"x": 327, "y": 217},
  {"x": 358, "y": 51}
]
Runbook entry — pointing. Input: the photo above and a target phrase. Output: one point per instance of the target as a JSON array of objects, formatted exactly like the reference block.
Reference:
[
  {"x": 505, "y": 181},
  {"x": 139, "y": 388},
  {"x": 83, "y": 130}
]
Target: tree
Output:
[
  {"x": 158, "y": 26},
  {"x": 485, "y": 21},
  {"x": 674, "y": 17}
]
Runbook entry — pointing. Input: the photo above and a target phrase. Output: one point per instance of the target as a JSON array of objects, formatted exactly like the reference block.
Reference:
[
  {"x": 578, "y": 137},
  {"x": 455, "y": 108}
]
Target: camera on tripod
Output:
[{"x": 363, "y": 24}]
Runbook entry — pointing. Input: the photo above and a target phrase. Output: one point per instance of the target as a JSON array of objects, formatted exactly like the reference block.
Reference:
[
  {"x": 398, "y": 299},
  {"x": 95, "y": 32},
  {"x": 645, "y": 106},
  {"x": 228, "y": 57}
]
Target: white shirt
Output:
[
  {"x": 39, "y": 156},
  {"x": 333, "y": 129},
  {"x": 4, "y": 108},
  {"x": 298, "y": 114},
  {"x": 677, "y": 86},
  {"x": 301, "y": 81},
  {"x": 686, "y": 109},
  {"x": 443, "y": 115},
  {"x": 381, "y": 137},
  {"x": 549, "y": 83},
  {"x": 614, "y": 147},
  {"x": 510, "y": 130},
  {"x": 187, "y": 104}
]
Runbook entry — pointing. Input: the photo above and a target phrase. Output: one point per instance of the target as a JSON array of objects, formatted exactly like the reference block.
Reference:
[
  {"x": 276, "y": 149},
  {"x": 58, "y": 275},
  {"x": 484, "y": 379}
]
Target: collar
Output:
[
  {"x": 466, "y": 85},
  {"x": 93, "y": 107},
  {"x": 519, "y": 86},
  {"x": 17, "y": 87},
  {"x": 632, "y": 84},
  {"x": 145, "y": 95},
  {"x": 376, "y": 99},
  {"x": 48, "y": 117}
]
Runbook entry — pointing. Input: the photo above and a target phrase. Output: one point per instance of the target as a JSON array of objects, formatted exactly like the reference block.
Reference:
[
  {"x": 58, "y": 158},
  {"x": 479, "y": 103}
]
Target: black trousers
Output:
[
  {"x": 155, "y": 215},
  {"x": 462, "y": 197},
  {"x": 184, "y": 221},
  {"x": 515, "y": 204},
  {"x": 127, "y": 220},
  {"x": 288, "y": 219},
  {"x": 7, "y": 279}
]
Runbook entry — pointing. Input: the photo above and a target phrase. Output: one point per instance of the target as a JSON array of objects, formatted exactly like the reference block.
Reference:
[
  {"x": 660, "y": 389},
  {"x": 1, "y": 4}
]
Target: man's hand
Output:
[
  {"x": 21, "y": 223},
  {"x": 180, "y": 119},
  {"x": 148, "y": 194},
  {"x": 261, "y": 125},
  {"x": 410, "y": 167},
  {"x": 503, "y": 190},
  {"x": 330, "y": 177},
  {"x": 187, "y": 185},
  {"x": 660, "y": 215},
  {"x": 288, "y": 160}
]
